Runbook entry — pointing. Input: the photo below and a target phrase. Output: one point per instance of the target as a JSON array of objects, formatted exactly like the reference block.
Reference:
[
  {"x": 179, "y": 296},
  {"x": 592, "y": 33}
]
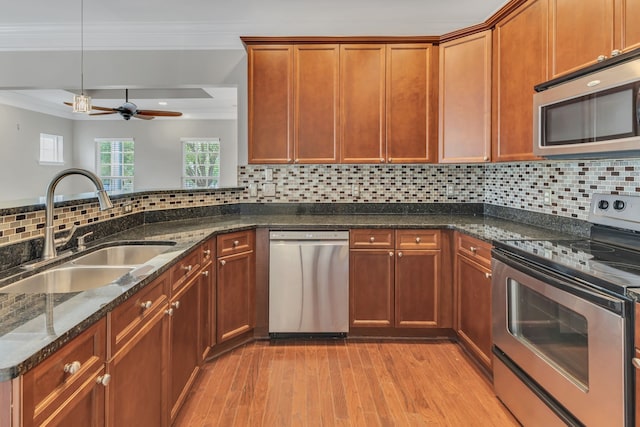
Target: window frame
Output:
[
  {"x": 122, "y": 178},
  {"x": 184, "y": 177},
  {"x": 58, "y": 150}
]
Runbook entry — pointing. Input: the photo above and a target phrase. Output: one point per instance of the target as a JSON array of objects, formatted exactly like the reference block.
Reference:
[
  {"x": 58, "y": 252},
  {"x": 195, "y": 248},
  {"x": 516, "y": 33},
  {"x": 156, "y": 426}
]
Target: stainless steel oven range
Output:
[{"x": 563, "y": 324}]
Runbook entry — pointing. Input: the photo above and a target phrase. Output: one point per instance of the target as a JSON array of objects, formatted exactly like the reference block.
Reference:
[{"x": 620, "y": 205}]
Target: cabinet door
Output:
[
  {"x": 417, "y": 281},
  {"x": 137, "y": 392},
  {"x": 473, "y": 290},
  {"x": 629, "y": 12},
  {"x": 184, "y": 344},
  {"x": 579, "y": 32},
  {"x": 465, "y": 99},
  {"x": 362, "y": 103},
  {"x": 270, "y": 100},
  {"x": 411, "y": 103},
  {"x": 512, "y": 97},
  {"x": 371, "y": 274},
  {"x": 207, "y": 310},
  {"x": 235, "y": 282},
  {"x": 316, "y": 72}
]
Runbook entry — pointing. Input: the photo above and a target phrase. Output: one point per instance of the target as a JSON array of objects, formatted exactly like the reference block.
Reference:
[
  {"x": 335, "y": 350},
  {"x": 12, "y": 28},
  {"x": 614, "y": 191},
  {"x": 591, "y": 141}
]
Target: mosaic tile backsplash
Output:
[{"x": 514, "y": 185}]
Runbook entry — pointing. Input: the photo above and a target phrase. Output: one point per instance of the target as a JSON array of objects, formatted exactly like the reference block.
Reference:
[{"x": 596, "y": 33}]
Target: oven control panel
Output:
[{"x": 615, "y": 210}]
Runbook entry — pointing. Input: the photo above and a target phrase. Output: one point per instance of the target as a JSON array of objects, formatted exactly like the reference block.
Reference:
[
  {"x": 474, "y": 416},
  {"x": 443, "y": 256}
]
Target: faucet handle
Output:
[
  {"x": 81, "y": 241},
  {"x": 60, "y": 241}
]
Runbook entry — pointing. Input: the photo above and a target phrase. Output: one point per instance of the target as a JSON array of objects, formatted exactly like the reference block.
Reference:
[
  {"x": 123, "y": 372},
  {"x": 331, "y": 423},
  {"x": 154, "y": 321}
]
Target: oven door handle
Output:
[{"x": 570, "y": 285}]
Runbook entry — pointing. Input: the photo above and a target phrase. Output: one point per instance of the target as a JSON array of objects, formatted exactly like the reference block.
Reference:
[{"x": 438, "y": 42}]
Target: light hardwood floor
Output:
[{"x": 343, "y": 383}]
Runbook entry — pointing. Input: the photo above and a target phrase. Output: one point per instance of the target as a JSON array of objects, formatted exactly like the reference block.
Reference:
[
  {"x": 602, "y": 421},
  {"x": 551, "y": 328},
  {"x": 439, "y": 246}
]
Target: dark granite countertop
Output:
[{"x": 29, "y": 340}]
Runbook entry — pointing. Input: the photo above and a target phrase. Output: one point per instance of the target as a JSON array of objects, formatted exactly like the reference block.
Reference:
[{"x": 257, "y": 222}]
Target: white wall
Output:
[
  {"x": 158, "y": 152},
  {"x": 21, "y": 176}
]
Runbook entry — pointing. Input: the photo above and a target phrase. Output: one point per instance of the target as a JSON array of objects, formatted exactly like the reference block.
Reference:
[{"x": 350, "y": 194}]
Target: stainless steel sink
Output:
[
  {"x": 67, "y": 279},
  {"x": 121, "y": 255}
]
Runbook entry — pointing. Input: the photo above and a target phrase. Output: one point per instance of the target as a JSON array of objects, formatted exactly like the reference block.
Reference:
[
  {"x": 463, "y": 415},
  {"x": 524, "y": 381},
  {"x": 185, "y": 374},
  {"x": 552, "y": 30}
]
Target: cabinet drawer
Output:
[
  {"x": 371, "y": 238},
  {"x": 56, "y": 379},
  {"x": 184, "y": 269},
  {"x": 637, "y": 328},
  {"x": 418, "y": 239},
  {"x": 130, "y": 316},
  {"x": 473, "y": 248},
  {"x": 234, "y": 243}
]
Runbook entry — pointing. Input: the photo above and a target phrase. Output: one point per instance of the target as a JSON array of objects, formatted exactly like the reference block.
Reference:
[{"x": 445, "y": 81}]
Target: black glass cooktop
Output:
[{"x": 604, "y": 265}]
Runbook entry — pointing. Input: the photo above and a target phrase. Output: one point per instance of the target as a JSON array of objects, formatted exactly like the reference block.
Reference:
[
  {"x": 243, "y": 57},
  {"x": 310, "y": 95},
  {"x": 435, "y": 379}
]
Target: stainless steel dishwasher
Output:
[{"x": 308, "y": 282}]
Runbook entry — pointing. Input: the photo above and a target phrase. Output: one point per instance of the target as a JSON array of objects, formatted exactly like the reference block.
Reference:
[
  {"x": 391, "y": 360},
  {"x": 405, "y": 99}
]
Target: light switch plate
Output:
[
  {"x": 253, "y": 190},
  {"x": 268, "y": 175},
  {"x": 269, "y": 189}
]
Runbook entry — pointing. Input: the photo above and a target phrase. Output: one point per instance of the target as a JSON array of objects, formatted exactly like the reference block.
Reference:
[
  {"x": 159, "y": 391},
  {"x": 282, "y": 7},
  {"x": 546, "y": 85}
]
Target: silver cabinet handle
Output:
[
  {"x": 235, "y": 243},
  {"x": 381, "y": 159},
  {"x": 417, "y": 239},
  {"x": 104, "y": 379},
  {"x": 222, "y": 262},
  {"x": 616, "y": 52},
  {"x": 207, "y": 252},
  {"x": 205, "y": 273},
  {"x": 73, "y": 367},
  {"x": 473, "y": 249},
  {"x": 390, "y": 160},
  {"x": 399, "y": 254},
  {"x": 175, "y": 304},
  {"x": 169, "y": 312},
  {"x": 601, "y": 58},
  {"x": 146, "y": 305},
  {"x": 372, "y": 239},
  {"x": 390, "y": 253},
  {"x": 187, "y": 268},
  {"x": 487, "y": 275},
  {"x": 636, "y": 362}
]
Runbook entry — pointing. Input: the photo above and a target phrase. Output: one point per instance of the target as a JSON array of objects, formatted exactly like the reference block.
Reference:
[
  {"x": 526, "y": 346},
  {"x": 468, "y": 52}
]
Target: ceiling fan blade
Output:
[
  {"x": 139, "y": 116},
  {"x": 159, "y": 113},
  {"x": 102, "y": 114}
]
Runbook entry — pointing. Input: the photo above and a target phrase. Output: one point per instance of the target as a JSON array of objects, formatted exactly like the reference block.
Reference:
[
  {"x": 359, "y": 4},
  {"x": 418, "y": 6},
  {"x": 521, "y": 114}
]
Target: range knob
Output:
[
  {"x": 603, "y": 204},
  {"x": 618, "y": 205}
]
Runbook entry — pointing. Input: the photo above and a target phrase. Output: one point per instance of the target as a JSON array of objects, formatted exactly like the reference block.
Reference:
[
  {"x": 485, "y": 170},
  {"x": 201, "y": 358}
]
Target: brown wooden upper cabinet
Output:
[
  {"x": 270, "y": 96},
  {"x": 465, "y": 99},
  {"x": 519, "y": 63},
  {"x": 583, "y": 32},
  {"x": 342, "y": 103}
]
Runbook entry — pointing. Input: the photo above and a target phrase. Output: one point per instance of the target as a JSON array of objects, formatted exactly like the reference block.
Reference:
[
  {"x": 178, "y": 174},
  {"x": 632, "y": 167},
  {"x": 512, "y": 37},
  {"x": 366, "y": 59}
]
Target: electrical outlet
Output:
[
  {"x": 128, "y": 208},
  {"x": 253, "y": 190},
  {"x": 546, "y": 198},
  {"x": 450, "y": 190},
  {"x": 355, "y": 190},
  {"x": 268, "y": 175},
  {"x": 269, "y": 189}
]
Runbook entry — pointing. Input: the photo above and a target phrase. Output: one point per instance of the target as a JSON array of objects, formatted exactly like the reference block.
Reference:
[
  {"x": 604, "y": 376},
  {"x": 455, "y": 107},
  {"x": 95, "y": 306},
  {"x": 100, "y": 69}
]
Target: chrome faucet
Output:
[{"x": 50, "y": 242}]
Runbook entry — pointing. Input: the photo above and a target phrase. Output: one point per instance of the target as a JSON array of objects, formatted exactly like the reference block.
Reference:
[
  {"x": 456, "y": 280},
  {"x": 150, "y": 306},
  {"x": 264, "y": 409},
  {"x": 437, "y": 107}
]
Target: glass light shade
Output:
[{"x": 81, "y": 103}]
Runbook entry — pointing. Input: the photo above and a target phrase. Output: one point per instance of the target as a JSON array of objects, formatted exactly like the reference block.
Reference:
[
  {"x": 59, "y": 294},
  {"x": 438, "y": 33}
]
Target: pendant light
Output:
[{"x": 82, "y": 102}]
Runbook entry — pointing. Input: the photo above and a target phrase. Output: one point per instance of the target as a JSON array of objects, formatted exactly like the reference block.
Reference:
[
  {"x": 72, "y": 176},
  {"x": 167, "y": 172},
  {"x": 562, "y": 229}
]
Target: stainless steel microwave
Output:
[{"x": 596, "y": 114}]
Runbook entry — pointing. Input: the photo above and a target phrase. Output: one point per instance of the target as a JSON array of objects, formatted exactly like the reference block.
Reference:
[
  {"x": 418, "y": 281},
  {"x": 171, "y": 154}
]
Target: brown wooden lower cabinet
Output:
[
  {"x": 473, "y": 298},
  {"x": 235, "y": 285},
  {"x": 398, "y": 284},
  {"x": 67, "y": 388}
]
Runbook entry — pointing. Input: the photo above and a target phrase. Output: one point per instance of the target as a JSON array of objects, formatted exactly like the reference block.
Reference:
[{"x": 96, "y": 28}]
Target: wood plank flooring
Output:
[{"x": 343, "y": 383}]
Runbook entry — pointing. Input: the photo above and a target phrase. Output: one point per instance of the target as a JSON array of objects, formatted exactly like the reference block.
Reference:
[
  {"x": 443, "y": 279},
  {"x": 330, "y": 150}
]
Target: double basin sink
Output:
[{"x": 94, "y": 270}]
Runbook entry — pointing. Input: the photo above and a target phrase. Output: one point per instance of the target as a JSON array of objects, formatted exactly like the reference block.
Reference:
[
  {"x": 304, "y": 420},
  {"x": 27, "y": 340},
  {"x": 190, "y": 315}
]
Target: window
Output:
[
  {"x": 200, "y": 162},
  {"x": 114, "y": 163},
  {"x": 51, "y": 149}
]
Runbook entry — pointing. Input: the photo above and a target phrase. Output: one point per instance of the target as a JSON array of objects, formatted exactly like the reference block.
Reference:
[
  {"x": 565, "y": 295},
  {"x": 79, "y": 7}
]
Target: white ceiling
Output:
[
  {"x": 36, "y": 25},
  {"x": 217, "y": 24}
]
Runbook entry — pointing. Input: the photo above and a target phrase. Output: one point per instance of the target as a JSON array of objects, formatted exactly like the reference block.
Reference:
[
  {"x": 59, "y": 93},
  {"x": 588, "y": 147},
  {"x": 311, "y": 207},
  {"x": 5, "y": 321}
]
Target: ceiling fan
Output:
[{"x": 129, "y": 109}]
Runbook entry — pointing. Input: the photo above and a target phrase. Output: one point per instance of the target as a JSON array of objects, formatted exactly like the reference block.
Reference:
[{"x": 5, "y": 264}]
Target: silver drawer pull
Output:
[
  {"x": 146, "y": 305},
  {"x": 175, "y": 304},
  {"x": 207, "y": 252},
  {"x": 372, "y": 239},
  {"x": 417, "y": 239},
  {"x": 487, "y": 275},
  {"x": 169, "y": 312},
  {"x": 205, "y": 273},
  {"x": 473, "y": 249},
  {"x": 390, "y": 253},
  {"x": 235, "y": 243},
  {"x": 187, "y": 268},
  {"x": 73, "y": 367},
  {"x": 399, "y": 254},
  {"x": 636, "y": 362},
  {"x": 104, "y": 379},
  {"x": 222, "y": 262}
]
